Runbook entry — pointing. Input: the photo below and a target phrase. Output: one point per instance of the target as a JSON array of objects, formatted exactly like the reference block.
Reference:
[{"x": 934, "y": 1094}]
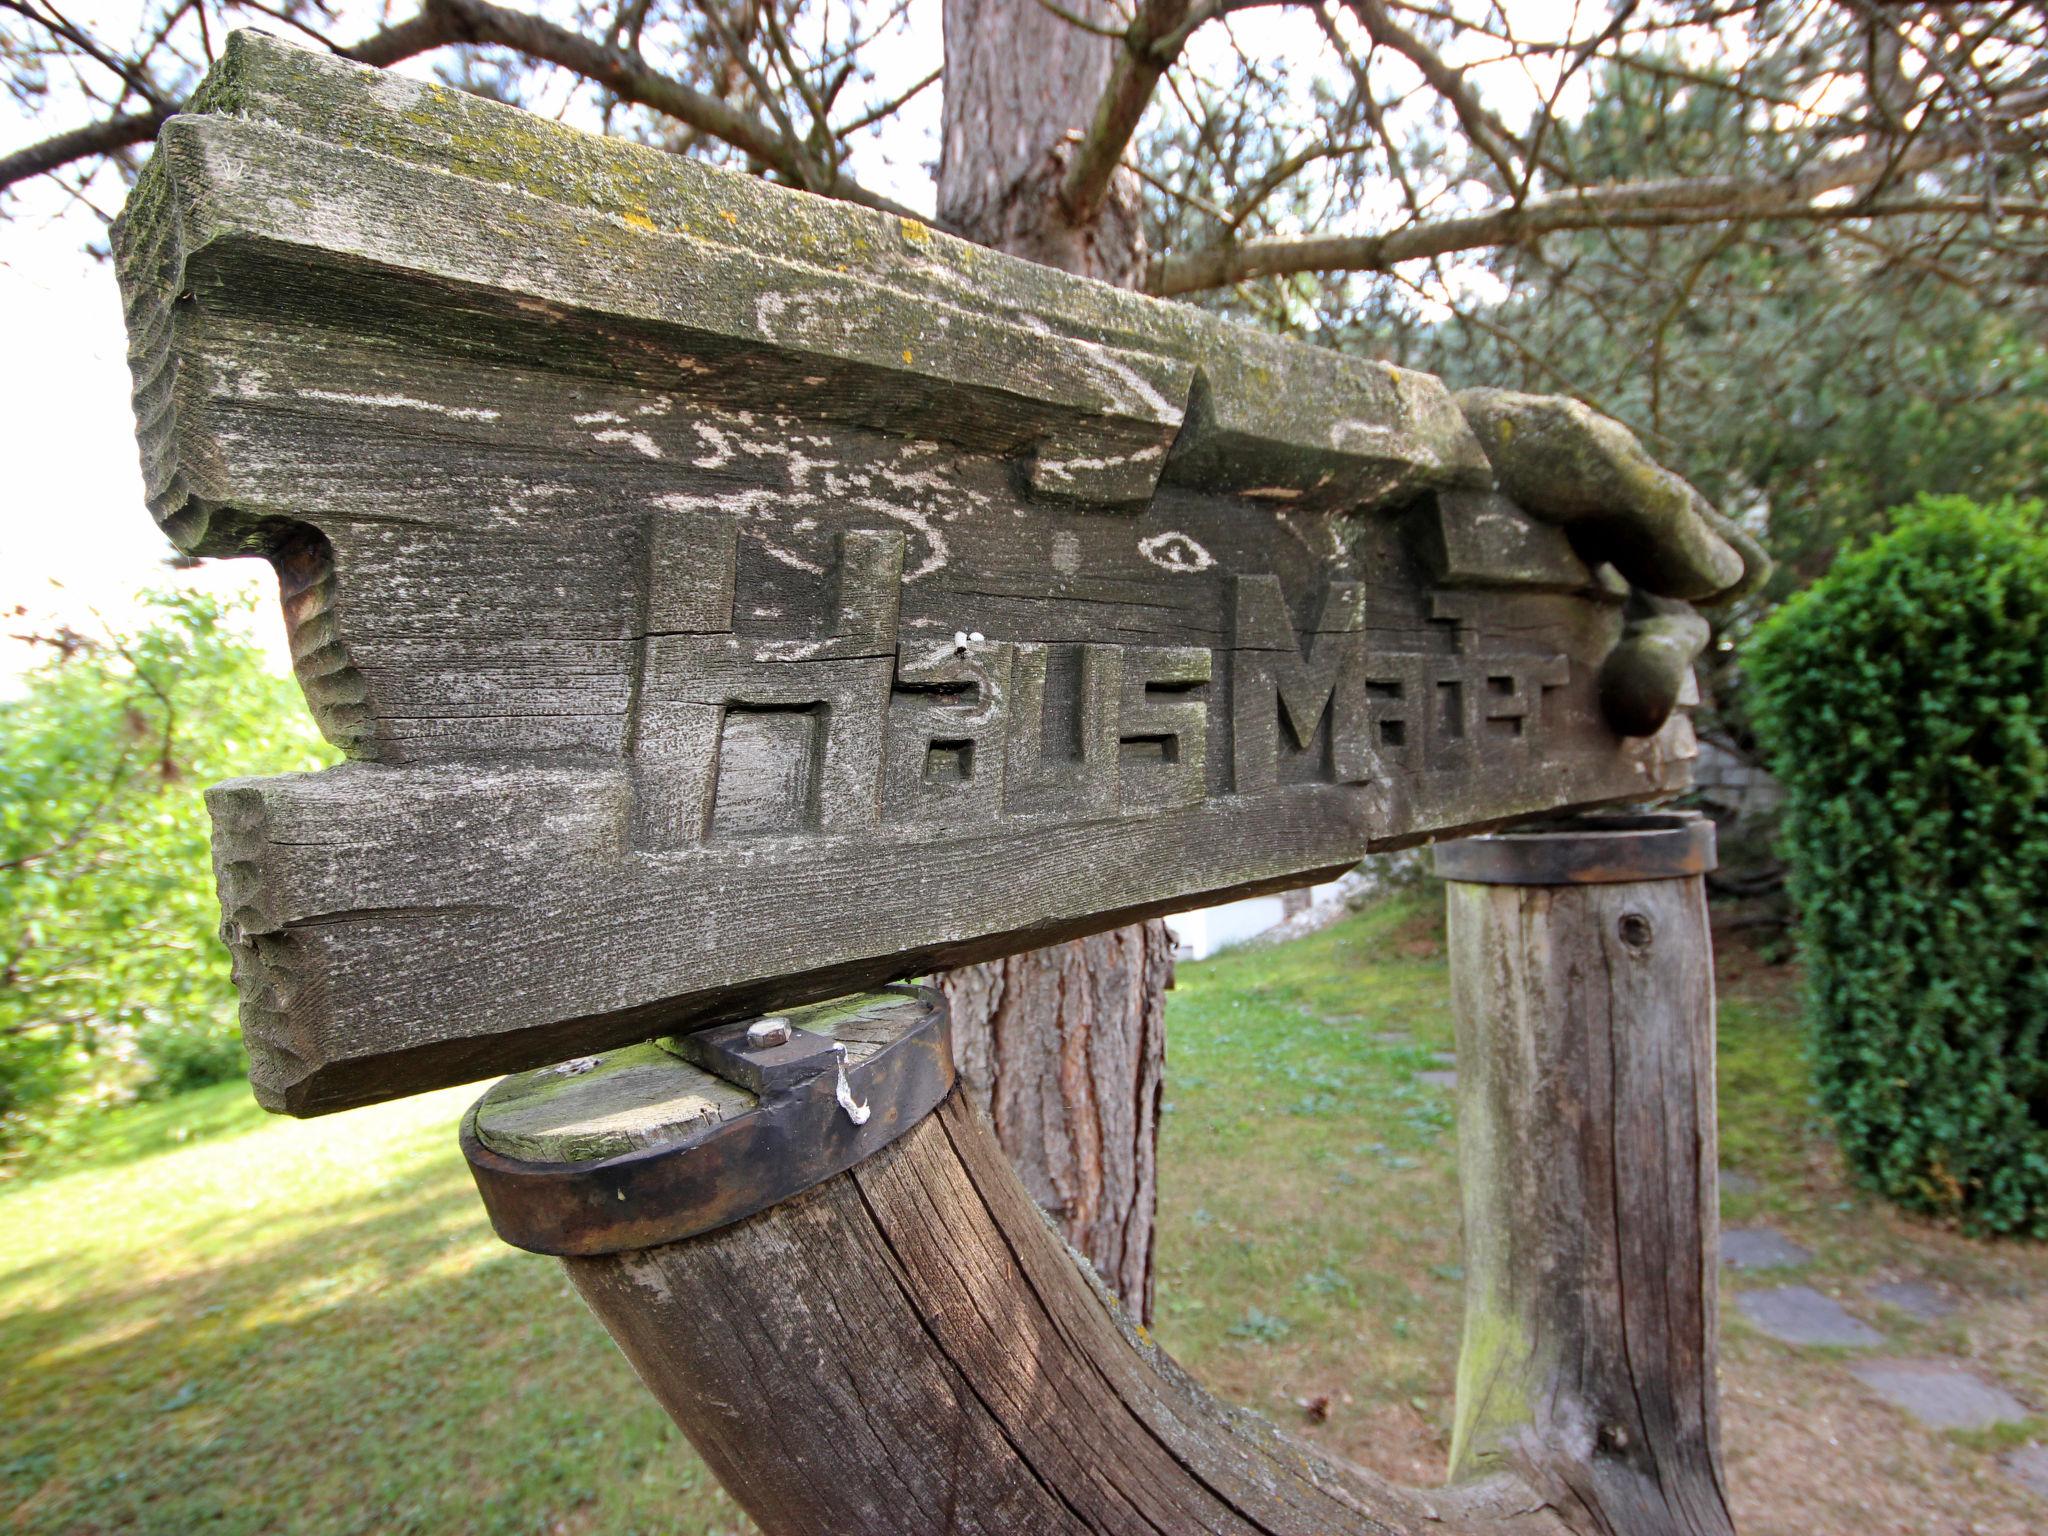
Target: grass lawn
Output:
[{"x": 221, "y": 1322}]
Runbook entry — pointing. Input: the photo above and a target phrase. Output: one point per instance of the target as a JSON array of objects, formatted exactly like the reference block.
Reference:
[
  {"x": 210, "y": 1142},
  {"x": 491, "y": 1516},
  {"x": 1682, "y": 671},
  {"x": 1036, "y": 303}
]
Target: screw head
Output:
[{"x": 763, "y": 1033}]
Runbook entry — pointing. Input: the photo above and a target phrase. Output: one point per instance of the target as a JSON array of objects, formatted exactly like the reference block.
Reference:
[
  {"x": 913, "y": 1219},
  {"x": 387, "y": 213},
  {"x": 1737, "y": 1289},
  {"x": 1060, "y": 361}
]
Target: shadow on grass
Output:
[{"x": 385, "y": 1366}]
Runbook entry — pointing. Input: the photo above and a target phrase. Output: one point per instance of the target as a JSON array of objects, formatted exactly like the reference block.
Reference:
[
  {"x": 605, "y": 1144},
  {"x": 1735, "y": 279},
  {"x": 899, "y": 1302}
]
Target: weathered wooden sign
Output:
[{"x": 729, "y": 598}]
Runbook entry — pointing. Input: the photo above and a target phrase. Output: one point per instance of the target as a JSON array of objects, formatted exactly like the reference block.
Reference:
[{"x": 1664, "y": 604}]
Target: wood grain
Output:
[
  {"x": 962, "y": 1373},
  {"x": 729, "y": 598},
  {"x": 1588, "y": 1171}
]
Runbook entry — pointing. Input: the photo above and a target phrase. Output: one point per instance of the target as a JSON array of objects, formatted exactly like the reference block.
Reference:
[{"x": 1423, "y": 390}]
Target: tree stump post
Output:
[
  {"x": 1582, "y": 979},
  {"x": 826, "y": 1270}
]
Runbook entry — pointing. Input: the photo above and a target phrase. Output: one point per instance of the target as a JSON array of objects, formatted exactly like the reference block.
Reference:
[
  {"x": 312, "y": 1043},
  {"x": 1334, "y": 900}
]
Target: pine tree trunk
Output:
[{"x": 1064, "y": 1048}]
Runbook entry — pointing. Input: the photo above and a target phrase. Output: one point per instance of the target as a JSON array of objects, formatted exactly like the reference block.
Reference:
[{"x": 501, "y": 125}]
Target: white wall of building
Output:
[{"x": 1207, "y": 929}]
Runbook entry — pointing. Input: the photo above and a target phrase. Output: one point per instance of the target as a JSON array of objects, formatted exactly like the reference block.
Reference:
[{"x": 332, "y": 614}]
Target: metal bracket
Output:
[{"x": 708, "y": 1172}]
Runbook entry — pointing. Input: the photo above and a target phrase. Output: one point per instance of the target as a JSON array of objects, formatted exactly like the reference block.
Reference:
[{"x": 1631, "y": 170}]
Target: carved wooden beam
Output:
[{"x": 730, "y": 598}]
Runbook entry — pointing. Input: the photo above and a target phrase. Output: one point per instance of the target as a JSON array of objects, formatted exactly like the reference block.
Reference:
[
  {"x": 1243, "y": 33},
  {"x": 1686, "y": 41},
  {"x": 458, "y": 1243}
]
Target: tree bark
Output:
[
  {"x": 1021, "y": 84},
  {"x": 1066, "y": 1054},
  {"x": 1064, "y": 1048}
]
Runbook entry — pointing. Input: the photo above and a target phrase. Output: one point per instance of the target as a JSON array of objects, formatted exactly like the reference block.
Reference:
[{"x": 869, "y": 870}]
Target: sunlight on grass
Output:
[
  {"x": 217, "y": 1318},
  {"x": 299, "y": 1326}
]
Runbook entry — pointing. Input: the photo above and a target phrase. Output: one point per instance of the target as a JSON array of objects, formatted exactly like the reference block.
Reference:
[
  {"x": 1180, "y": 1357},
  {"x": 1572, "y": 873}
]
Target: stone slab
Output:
[
  {"x": 1916, "y": 1298},
  {"x": 1940, "y": 1393},
  {"x": 1761, "y": 1248},
  {"x": 1798, "y": 1314},
  {"x": 2028, "y": 1466},
  {"x": 1445, "y": 1080}
]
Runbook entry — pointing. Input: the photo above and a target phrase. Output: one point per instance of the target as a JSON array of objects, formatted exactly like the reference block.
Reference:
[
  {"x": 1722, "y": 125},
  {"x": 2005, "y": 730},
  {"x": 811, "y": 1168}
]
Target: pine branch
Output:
[
  {"x": 1628, "y": 205},
  {"x": 1150, "y": 45}
]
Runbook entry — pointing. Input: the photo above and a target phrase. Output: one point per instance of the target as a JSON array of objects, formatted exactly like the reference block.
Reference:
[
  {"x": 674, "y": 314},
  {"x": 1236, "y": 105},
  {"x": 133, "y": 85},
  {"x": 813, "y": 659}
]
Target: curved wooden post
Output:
[
  {"x": 1582, "y": 977},
  {"x": 906, "y": 1346}
]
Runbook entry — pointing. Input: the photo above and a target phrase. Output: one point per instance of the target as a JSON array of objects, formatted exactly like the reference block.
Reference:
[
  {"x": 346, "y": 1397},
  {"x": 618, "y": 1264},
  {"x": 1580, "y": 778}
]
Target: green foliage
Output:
[
  {"x": 1806, "y": 376},
  {"x": 1903, "y": 700},
  {"x": 115, "y": 984},
  {"x": 1822, "y": 373}
]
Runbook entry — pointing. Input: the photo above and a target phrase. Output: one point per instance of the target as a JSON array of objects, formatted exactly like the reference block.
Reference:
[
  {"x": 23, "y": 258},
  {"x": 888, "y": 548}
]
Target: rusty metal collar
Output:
[
  {"x": 663, "y": 1141},
  {"x": 1585, "y": 850}
]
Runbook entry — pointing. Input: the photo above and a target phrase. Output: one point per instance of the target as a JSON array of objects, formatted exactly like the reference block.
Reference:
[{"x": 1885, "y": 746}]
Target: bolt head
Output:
[{"x": 763, "y": 1033}]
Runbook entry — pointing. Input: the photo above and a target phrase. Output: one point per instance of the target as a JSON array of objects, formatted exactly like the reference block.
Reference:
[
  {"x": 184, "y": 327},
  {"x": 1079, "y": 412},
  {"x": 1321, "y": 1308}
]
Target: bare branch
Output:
[
  {"x": 433, "y": 28},
  {"x": 1154, "y": 39},
  {"x": 55, "y": 22},
  {"x": 1489, "y": 135},
  {"x": 629, "y": 78},
  {"x": 102, "y": 138},
  {"x": 1628, "y": 205},
  {"x": 444, "y": 23},
  {"x": 888, "y": 108}
]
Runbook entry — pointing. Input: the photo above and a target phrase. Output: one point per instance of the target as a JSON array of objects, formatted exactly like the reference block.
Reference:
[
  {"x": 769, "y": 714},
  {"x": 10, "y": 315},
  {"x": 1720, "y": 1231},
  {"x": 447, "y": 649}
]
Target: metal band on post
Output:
[
  {"x": 667, "y": 1140},
  {"x": 1585, "y": 850}
]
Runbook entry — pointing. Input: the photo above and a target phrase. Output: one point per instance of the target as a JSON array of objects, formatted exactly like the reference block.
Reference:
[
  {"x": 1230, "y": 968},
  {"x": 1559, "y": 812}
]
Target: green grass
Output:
[
  {"x": 1308, "y": 1202},
  {"x": 212, "y": 1320},
  {"x": 307, "y": 1327}
]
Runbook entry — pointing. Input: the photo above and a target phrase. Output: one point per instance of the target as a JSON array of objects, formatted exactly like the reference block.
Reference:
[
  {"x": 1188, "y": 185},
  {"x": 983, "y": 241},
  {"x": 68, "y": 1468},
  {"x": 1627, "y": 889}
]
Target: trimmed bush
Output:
[{"x": 1903, "y": 701}]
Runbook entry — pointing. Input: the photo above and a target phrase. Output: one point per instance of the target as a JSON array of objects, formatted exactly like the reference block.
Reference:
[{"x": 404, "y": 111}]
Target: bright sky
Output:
[
  {"x": 77, "y": 545},
  {"x": 74, "y": 535}
]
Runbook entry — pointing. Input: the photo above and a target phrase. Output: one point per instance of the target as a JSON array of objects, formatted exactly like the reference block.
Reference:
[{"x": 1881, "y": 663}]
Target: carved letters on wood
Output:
[{"x": 729, "y": 598}]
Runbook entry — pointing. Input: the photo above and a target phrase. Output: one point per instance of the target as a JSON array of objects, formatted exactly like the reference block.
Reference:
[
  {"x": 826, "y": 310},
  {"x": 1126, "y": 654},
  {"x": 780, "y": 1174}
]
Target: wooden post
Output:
[
  {"x": 1582, "y": 977},
  {"x": 904, "y": 1345}
]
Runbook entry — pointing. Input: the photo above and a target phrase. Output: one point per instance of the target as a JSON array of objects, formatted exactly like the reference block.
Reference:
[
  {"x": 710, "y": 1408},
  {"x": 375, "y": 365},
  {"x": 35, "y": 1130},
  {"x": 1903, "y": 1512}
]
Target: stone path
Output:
[
  {"x": 1438, "y": 1079},
  {"x": 1798, "y": 1314},
  {"x": 2029, "y": 1468},
  {"x": 1940, "y": 1393},
  {"x": 1761, "y": 1248},
  {"x": 1922, "y": 1302}
]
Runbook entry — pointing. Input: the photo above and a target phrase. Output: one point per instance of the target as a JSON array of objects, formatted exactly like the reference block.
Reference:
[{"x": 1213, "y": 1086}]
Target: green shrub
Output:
[
  {"x": 1903, "y": 701},
  {"x": 190, "y": 1052},
  {"x": 112, "y": 982}
]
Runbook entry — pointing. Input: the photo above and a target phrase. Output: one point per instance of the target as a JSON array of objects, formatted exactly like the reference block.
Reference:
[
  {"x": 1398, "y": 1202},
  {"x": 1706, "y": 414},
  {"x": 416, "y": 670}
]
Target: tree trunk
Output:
[
  {"x": 1065, "y": 1052},
  {"x": 1064, "y": 1047},
  {"x": 1021, "y": 84}
]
